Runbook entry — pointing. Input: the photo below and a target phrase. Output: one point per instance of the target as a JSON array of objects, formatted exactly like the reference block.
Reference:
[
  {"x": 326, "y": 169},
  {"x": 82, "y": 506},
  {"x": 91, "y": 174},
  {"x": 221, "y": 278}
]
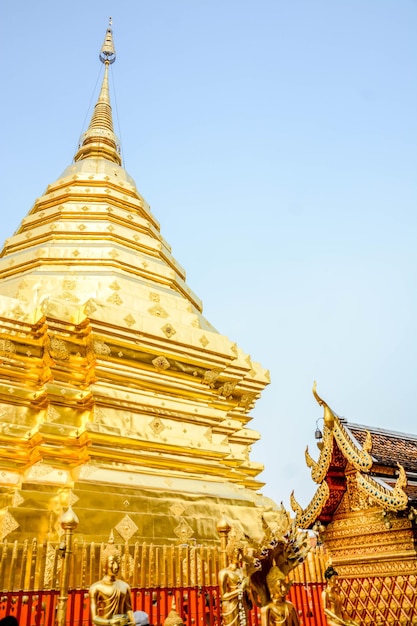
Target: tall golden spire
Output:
[
  {"x": 99, "y": 141},
  {"x": 127, "y": 398}
]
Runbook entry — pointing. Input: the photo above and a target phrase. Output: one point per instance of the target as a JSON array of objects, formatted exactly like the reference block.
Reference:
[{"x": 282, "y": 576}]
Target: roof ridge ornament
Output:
[
  {"x": 306, "y": 517},
  {"x": 394, "y": 499},
  {"x": 360, "y": 458},
  {"x": 319, "y": 468},
  {"x": 328, "y": 413}
]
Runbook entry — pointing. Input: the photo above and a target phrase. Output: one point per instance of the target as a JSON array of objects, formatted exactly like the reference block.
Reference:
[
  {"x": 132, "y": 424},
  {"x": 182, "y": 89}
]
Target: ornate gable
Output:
[{"x": 358, "y": 467}]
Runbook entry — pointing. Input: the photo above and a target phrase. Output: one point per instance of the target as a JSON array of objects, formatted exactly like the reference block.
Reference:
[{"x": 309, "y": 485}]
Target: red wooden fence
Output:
[{"x": 198, "y": 606}]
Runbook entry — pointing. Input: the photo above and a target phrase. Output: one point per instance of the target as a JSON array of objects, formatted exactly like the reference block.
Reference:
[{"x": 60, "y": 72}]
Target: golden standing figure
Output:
[
  {"x": 234, "y": 592},
  {"x": 332, "y": 603},
  {"x": 278, "y": 610},
  {"x": 110, "y": 599}
]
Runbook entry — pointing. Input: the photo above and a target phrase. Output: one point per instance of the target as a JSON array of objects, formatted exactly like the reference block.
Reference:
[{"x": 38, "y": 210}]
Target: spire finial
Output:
[
  {"x": 99, "y": 141},
  {"x": 107, "y": 52}
]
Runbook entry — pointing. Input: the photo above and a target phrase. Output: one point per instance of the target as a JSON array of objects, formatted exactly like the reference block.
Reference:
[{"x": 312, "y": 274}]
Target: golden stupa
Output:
[{"x": 117, "y": 396}]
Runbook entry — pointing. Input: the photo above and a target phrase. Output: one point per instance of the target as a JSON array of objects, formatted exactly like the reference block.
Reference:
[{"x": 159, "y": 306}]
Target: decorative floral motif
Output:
[
  {"x": 161, "y": 363},
  {"x": 7, "y": 347},
  {"x": 183, "y": 531},
  {"x": 126, "y": 528},
  {"x": 227, "y": 389},
  {"x": 130, "y": 321},
  {"x": 101, "y": 348},
  {"x": 168, "y": 330},
  {"x": 177, "y": 509},
  {"x": 89, "y": 308},
  {"x": 204, "y": 341},
  {"x": 59, "y": 349},
  {"x": 8, "y": 525},
  {"x": 157, "y": 425},
  {"x": 115, "y": 299},
  {"x": 17, "y": 499},
  {"x": 210, "y": 377},
  {"x": 158, "y": 311}
]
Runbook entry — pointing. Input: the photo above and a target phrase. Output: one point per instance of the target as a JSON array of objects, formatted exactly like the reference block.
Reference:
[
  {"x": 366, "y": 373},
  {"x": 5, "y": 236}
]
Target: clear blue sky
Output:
[{"x": 276, "y": 143}]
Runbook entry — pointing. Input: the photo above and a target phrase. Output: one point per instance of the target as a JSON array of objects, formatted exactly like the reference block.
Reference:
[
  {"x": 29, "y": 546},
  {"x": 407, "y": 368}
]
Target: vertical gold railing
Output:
[{"x": 34, "y": 566}]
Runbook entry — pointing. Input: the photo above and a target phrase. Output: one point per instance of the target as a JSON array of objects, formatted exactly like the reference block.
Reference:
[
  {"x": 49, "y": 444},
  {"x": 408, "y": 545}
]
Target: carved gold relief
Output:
[
  {"x": 395, "y": 499},
  {"x": 157, "y": 425},
  {"x": 59, "y": 349},
  {"x": 160, "y": 363},
  {"x": 88, "y": 470},
  {"x": 8, "y": 525},
  {"x": 89, "y": 308},
  {"x": 210, "y": 377},
  {"x": 196, "y": 567},
  {"x": 247, "y": 399},
  {"x": 99, "y": 416},
  {"x": 17, "y": 499},
  {"x": 39, "y": 470},
  {"x": 227, "y": 389},
  {"x": 126, "y": 528},
  {"x": 177, "y": 509},
  {"x": 357, "y": 500},
  {"x": 360, "y": 459},
  {"x": 101, "y": 348},
  {"x": 7, "y": 347},
  {"x": 378, "y": 568},
  {"x": 311, "y": 513},
  {"x": 130, "y": 321},
  {"x": 69, "y": 297},
  {"x": 319, "y": 469},
  {"x": 297, "y": 508},
  {"x": 72, "y": 498},
  {"x": 183, "y": 531},
  {"x": 115, "y": 299},
  {"x": 158, "y": 311},
  {"x": 168, "y": 330},
  {"x": 209, "y": 435}
]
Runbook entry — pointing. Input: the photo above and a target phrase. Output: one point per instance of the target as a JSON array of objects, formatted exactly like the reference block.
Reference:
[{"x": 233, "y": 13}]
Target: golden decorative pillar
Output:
[
  {"x": 69, "y": 522},
  {"x": 223, "y": 528}
]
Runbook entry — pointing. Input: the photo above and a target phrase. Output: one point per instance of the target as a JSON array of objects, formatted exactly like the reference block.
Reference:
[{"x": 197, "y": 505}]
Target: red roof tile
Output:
[{"x": 388, "y": 447}]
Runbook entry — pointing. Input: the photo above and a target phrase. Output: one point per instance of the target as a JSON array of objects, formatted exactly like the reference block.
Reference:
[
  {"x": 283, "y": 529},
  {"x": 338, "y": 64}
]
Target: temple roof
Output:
[
  {"x": 379, "y": 465},
  {"x": 388, "y": 447}
]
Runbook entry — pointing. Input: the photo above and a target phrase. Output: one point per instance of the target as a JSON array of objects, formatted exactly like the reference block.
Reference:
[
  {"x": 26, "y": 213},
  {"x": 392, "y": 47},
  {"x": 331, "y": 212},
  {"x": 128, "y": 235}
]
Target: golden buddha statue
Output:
[
  {"x": 110, "y": 598},
  {"x": 173, "y": 618},
  {"x": 278, "y": 610},
  {"x": 332, "y": 603},
  {"x": 234, "y": 592}
]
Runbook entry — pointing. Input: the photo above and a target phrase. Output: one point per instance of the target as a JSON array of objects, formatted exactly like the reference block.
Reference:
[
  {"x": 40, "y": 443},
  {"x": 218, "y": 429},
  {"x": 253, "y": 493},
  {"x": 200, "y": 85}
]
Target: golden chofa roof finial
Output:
[
  {"x": 107, "y": 52},
  {"x": 99, "y": 141},
  {"x": 328, "y": 413}
]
